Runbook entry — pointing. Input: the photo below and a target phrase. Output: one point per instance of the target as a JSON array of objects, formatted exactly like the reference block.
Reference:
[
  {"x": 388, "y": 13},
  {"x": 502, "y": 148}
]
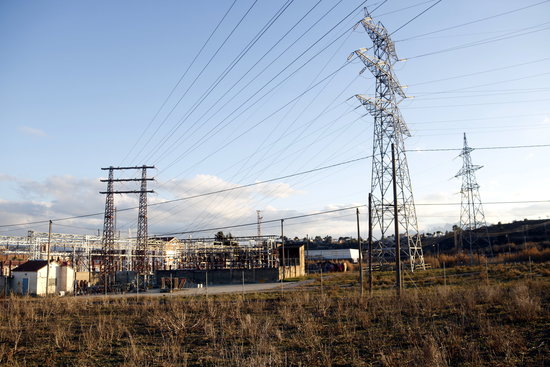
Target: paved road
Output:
[{"x": 213, "y": 289}]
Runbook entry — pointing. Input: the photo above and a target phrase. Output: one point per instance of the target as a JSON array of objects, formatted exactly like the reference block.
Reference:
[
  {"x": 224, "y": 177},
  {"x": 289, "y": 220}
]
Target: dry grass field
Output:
[{"x": 494, "y": 315}]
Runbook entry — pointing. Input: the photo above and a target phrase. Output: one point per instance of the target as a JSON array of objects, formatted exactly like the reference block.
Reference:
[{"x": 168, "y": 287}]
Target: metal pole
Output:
[
  {"x": 322, "y": 281},
  {"x": 48, "y": 259},
  {"x": 360, "y": 254},
  {"x": 399, "y": 286},
  {"x": 307, "y": 253},
  {"x": 283, "y": 246},
  {"x": 444, "y": 275},
  {"x": 242, "y": 275},
  {"x": 370, "y": 243}
]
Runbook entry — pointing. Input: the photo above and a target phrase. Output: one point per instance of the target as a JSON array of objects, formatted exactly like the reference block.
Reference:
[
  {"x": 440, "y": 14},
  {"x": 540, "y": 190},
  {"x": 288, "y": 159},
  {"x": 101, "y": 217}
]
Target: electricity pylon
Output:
[
  {"x": 471, "y": 209},
  {"x": 108, "y": 266},
  {"x": 259, "y": 217},
  {"x": 141, "y": 261},
  {"x": 389, "y": 130}
]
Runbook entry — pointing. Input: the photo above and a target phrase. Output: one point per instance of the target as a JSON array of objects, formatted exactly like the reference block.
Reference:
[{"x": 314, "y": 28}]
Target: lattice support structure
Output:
[
  {"x": 108, "y": 265},
  {"x": 259, "y": 224},
  {"x": 389, "y": 128},
  {"x": 472, "y": 216},
  {"x": 141, "y": 258}
]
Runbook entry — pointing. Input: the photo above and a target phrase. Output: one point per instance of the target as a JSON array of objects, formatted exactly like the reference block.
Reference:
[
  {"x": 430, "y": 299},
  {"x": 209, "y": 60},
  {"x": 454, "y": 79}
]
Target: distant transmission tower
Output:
[
  {"x": 471, "y": 209},
  {"x": 258, "y": 212},
  {"x": 389, "y": 130},
  {"x": 108, "y": 266}
]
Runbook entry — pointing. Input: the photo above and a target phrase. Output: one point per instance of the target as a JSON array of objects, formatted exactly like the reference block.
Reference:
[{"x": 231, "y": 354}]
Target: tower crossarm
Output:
[
  {"x": 375, "y": 106},
  {"x": 379, "y": 35},
  {"x": 466, "y": 150},
  {"x": 381, "y": 70},
  {"x": 469, "y": 187},
  {"x": 467, "y": 169}
]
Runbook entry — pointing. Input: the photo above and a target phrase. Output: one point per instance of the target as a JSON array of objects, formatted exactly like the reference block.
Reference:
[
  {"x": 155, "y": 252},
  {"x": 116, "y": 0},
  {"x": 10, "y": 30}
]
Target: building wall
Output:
[
  {"x": 222, "y": 276},
  {"x": 295, "y": 265},
  {"x": 292, "y": 271},
  {"x": 17, "y": 282},
  {"x": 41, "y": 280},
  {"x": 37, "y": 281},
  {"x": 65, "y": 279}
]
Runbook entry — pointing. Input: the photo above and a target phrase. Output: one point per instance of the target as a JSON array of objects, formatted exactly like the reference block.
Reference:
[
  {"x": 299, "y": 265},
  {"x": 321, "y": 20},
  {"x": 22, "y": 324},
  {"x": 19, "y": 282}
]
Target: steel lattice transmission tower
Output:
[
  {"x": 141, "y": 260},
  {"x": 389, "y": 130},
  {"x": 108, "y": 266},
  {"x": 471, "y": 209},
  {"x": 259, "y": 218}
]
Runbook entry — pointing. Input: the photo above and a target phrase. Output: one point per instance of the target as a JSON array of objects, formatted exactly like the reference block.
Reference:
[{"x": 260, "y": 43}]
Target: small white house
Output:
[{"x": 30, "y": 278}]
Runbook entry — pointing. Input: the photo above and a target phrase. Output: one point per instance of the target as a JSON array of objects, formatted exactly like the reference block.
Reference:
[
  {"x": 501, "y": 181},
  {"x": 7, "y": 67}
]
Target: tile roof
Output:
[{"x": 31, "y": 265}]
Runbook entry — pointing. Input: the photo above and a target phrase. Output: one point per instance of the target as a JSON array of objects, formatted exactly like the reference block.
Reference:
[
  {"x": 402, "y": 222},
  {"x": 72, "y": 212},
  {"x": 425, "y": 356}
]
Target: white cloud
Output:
[
  {"x": 66, "y": 196},
  {"x": 276, "y": 190},
  {"x": 6, "y": 178},
  {"x": 32, "y": 131}
]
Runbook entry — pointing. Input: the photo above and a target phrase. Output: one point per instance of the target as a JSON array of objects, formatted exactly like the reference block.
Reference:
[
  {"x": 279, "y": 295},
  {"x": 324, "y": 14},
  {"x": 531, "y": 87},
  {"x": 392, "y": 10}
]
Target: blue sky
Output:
[{"x": 81, "y": 84}]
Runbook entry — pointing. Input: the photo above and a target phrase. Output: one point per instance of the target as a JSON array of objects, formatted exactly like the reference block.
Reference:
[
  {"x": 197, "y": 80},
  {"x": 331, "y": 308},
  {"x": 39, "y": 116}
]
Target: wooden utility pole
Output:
[
  {"x": 399, "y": 286},
  {"x": 360, "y": 254},
  {"x": 48, "y": 259},
  {"x": 370, "y": 243}
]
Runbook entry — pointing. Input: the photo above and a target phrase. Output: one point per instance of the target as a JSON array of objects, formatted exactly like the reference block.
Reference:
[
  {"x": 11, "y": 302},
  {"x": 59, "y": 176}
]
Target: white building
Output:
[
  {"x": 30, "y": 278},
  {"x": 350, "y": 254}
]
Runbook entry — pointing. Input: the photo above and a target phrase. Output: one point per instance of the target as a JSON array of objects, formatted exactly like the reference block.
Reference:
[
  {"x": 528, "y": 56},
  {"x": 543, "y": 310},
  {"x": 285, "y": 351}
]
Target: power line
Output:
[
  {"x": 240, "y": 225},
  {"x": 264, "y": 119},
  {"x": 213, "y": 130},
  {"x": 200, "y": 195},
  {"x": 405, "y": 8},
  {"x": 468, "y": 89},
  {"x": 477, "y": 94},
  {"x": 180, "y": 79},
  {"x": 484, "y": 41},
  {"x": 416, "y": 16},
  {"x": 490, "y": 202},
  {"x": 268, "y": 181},
  {"x": 474, "y": 21},
  {"x": 218, "y": 80},
  {"x": 481, "y": 148},
  {"x": 476, "y": 119},
  {"x": 480, "y": 72},
  {"x": 476, "y": 104},
  {"x": 199, "y": 75},
  {"x": 263, "y": 222}
]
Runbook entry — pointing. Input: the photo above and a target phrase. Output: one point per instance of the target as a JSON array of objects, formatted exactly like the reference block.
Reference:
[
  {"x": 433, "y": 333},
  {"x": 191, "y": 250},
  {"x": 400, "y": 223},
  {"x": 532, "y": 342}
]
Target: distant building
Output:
[
  {"x": 350, "y": 254},
  {"x": 294, "y": 261},
  {"x": 30, "y": 278}
]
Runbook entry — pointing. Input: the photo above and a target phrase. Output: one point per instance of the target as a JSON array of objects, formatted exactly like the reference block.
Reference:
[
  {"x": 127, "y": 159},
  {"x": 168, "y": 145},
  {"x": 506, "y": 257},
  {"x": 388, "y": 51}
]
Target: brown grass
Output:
[{"x": 473, "y": 324}]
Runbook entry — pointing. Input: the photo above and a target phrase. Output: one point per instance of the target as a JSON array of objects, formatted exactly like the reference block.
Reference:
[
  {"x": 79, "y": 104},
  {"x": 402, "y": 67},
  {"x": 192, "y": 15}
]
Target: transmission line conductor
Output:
[{"x": 390, "y": 175}]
